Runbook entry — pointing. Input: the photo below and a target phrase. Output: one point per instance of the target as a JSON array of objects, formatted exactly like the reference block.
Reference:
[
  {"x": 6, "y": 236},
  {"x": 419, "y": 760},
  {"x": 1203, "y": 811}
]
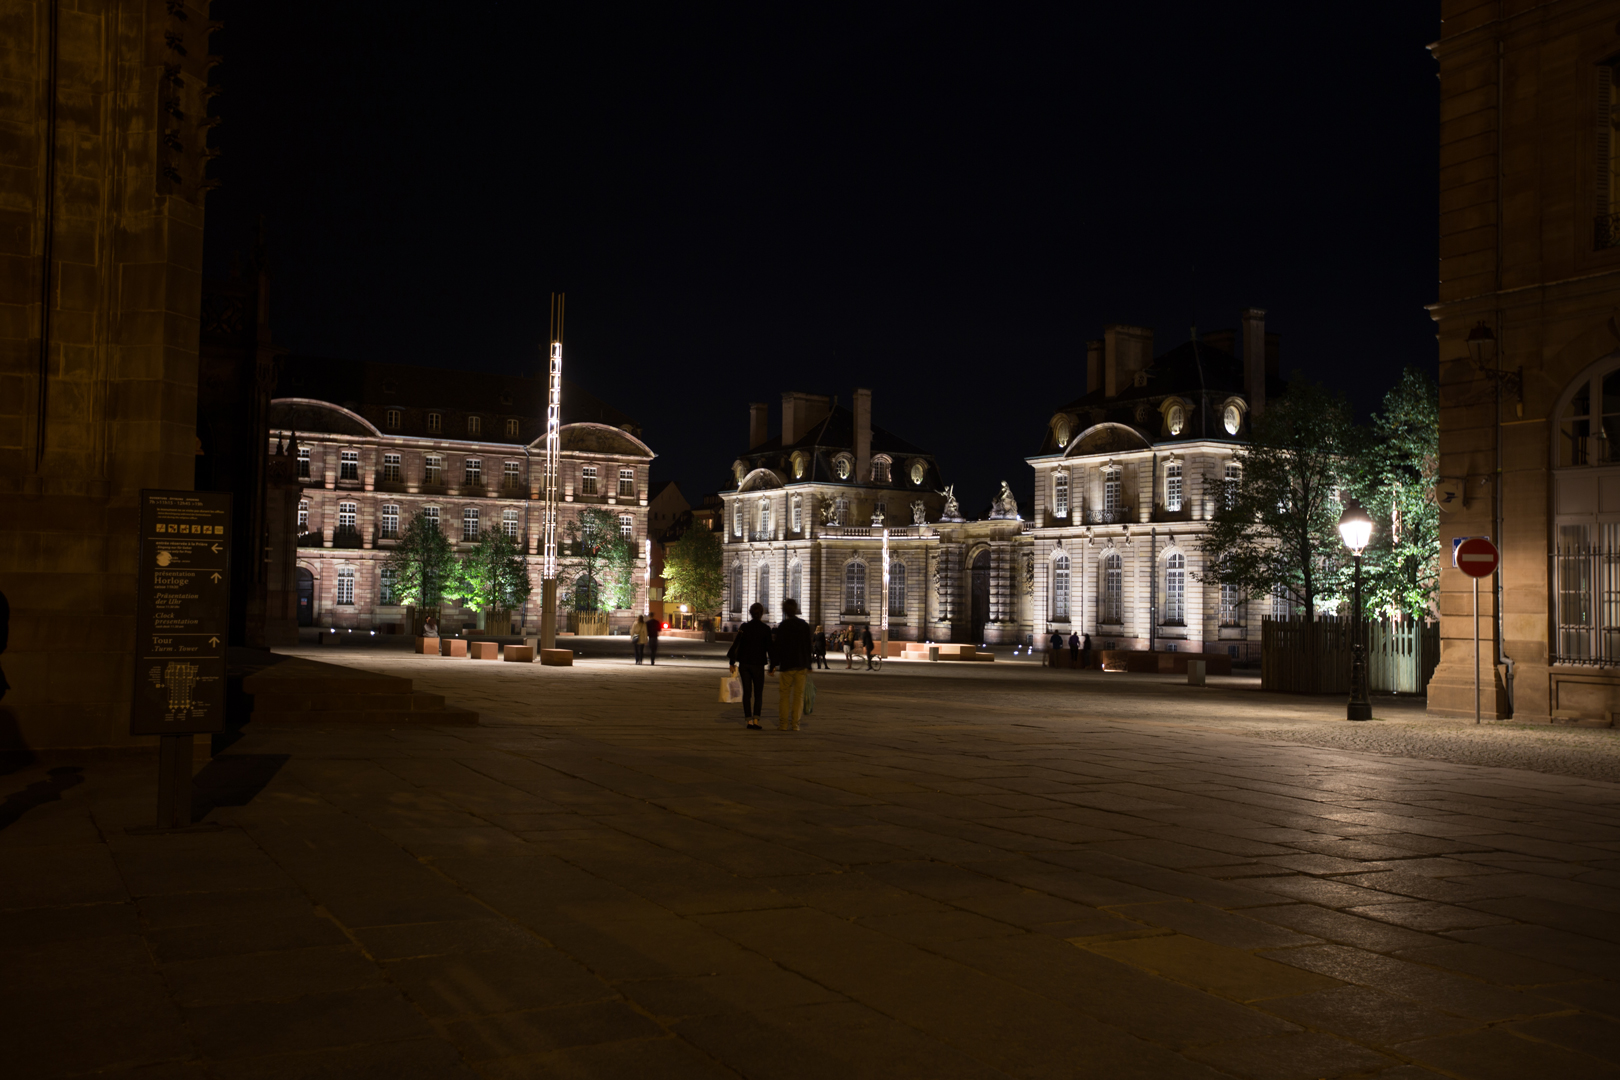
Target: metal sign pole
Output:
[{"x": 1476, "y": 650}]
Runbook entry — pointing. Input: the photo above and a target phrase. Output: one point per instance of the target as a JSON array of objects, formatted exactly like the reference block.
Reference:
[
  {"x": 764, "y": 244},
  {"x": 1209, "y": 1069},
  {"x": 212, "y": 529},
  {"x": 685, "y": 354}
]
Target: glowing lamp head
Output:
[{"x": 1355, "y": 527}]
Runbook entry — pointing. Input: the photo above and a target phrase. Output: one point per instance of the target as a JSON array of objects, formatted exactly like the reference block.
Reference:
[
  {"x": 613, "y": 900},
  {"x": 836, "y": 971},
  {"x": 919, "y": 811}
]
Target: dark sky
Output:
[{"x": 940, "y": 202}]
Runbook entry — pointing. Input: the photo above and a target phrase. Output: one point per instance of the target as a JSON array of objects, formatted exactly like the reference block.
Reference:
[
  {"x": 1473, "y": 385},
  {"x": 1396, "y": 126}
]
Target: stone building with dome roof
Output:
[
  {"x": 1126, "y": 479},
  {"x": 378, "y": 443}
]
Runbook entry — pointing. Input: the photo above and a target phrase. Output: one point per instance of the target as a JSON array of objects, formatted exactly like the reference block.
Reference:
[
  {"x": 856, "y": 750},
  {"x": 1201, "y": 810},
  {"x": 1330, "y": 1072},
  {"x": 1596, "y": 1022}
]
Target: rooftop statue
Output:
[{"x": 952, "y": 511}]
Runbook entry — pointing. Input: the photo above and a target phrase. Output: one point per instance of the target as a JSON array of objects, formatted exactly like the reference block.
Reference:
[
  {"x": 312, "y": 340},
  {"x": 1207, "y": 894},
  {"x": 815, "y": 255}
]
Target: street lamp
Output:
[{"x": 1355, "y": 527}]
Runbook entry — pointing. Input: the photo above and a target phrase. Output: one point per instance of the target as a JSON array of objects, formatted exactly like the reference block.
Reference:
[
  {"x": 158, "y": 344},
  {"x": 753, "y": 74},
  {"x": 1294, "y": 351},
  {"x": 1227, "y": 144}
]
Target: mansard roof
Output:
[{"x": 826, "y": 440}]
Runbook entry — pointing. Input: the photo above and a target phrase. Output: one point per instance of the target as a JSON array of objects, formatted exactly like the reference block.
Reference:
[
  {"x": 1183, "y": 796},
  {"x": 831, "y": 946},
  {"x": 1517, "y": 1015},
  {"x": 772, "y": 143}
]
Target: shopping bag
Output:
[
  {"x": 730, "y": 689},
  {"x": 809, "y": 697}
]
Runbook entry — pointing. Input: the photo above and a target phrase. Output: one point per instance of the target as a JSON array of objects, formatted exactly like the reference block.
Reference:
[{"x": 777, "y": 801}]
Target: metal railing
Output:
[
  {"x": 346, "y": 536},
  {"x": 1118, "y": 516},
  {"x": 1586, "y": 605},
  {"x": 313, "y": 538}
]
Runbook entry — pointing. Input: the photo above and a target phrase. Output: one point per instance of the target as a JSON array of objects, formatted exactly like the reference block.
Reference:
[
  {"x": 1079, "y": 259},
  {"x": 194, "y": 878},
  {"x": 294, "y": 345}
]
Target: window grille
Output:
[
  {"x": 391, "y": 467},
  {"x": 345, "y": 586},
  {"x": 303, "y": 463},
  {"x": 1060, "y": 587},
  {"x": 390, "y": 521},
  {"x": 1175, "y": 589},
  {"x": 509, "y": 522},
  {"x": 798, "y": 514},
  {"x": 473, "y": 472},
  {"x": 512, "y": 474},
  {"x": 897, "y": 588},
  {"x": 587, "y": 480},
  {"x": 1060, "y": 494},
  {"x": 386, "y": 580},
  {"x": 627, "y": 526},
  {"x": 1231, "y": 606},
  {"x": 430, "y": 514},
  {"x": 762, "y": 586},
  {"x": 796, "y": 582},
  {"x": 433, "y": 469},
  {"x": 855, "y": 589},
  {"x": 469, "y": 523},
  {"x": 347, "y": 513},
  {"x": 627, "y": 483},
  {"x": 1113, "y": 589},
  {"x": 1172, "y": 488},
  {"x": 1587, "y": 598}
]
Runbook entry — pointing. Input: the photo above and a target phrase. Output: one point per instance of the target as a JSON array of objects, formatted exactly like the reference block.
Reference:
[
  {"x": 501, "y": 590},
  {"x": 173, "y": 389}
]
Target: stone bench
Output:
[
  {"x": 557, "y": 657},
  {"x": 484, "y": 650},
  {"x": 427, "y": 645},
  {"x": 518, "y": 654},
  {"x": 452, "y": 646}
]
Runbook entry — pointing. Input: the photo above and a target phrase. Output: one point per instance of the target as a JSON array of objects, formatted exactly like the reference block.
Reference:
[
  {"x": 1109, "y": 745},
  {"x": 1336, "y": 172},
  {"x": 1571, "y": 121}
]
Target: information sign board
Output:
[{"x": 182, "y": 612}]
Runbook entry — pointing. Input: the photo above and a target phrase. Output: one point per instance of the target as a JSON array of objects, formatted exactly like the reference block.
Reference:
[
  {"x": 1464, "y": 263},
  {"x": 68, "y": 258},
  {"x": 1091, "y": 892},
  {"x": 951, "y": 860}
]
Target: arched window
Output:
[
  {"x": 1172, "y": 488},
  {"x": 1060, "y": 494},
  {"x": 796, "y": 582},
  {"x": 1113, "y": 597},
  {"x": 1175, "y": 589},
  {"x": 855, "y": 588},
  {"x": 897, "y": 588},
  {"x": 762, "y": 586},
  {"x": 736, "y": 588},
  {"x": 1060, "y": 587}
]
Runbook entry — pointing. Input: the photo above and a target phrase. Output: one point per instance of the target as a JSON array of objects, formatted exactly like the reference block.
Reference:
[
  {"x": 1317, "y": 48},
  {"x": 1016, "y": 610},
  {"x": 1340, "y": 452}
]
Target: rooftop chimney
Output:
[
  {"x": 1254, "y": 359},
  {"x": 1126, "y": 351},
  {"x": 800, "y": 413},
  {"x": 1094, "y": 366},
  {"x": 758, "y": 415},
  {"x": 863, "y": 436}
]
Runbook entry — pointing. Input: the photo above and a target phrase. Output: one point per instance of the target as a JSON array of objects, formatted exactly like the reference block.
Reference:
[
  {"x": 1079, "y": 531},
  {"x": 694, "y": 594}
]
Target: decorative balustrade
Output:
[{"x": 1118, "y": 516}]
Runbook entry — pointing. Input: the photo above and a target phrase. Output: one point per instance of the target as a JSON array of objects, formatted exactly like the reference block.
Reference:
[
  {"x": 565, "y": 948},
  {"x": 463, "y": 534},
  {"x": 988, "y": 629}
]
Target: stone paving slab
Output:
[{"x": 945, "y": 874}]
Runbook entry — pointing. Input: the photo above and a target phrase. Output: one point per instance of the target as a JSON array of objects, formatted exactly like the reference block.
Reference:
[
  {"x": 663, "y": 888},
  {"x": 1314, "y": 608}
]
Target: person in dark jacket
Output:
[
  {"x": 791, "y": 648},
  {"x": 1085, "y": 652},
  {"x": 749, "y": 653},
  {"x": 653, "y": 628},
  {"x": 867, "y": 645},
  {"x": 1057, "y": 647},
  {"x": 819, "y": 649},
  {"x": 1074, "y": 650}
]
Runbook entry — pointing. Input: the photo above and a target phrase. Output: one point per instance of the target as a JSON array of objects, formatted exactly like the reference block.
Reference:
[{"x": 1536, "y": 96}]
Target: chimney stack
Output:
[
  {"x": 1254, "y": 359},
  {"x": 800, "y": 413},
  {"x": 863, "y": 436},
  {"x": 1094, "y": 366},
  {"x": 758, "y": 416},
  {"x": 1126, "y": 351}
]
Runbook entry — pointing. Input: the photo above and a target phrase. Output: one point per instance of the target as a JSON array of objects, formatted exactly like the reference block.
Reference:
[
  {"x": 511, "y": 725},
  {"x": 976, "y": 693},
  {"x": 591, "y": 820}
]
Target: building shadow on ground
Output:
[
  {"x": 39, "y": 793},
  {"x": 232, "y": 780}
]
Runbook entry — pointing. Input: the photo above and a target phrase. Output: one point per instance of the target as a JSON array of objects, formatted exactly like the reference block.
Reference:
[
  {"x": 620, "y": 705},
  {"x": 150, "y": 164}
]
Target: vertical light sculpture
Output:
[
  {"x": 883, "y": 600},
  {"x": 646, "y": 553},
  {"x": 548, "y": 564}
]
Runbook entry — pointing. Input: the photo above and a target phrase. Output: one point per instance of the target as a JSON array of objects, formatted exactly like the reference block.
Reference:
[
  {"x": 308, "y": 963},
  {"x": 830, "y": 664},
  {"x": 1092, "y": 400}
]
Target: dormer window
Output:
[
  {"x": 918, "y": 472},
  {"x": 435, "y": 422},
  {"x": 843, "y": 465},
  {"x": 880, "y": 470},
  {"x": 1061, "y": 431},
  {"x": 1175, "y": 419},
  {"x": 475, "y": 426},
  {"x": 1232, "y": 419},
  {"x": 511, "y": 429},
  {"x": 391, "y": 418}
]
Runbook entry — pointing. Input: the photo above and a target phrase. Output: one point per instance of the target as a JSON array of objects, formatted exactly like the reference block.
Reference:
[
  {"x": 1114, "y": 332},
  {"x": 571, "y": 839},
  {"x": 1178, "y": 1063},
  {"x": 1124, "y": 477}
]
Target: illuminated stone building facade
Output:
[
  {"x": 1528, "y": 319},
  {"x": 380, "y": 443}
]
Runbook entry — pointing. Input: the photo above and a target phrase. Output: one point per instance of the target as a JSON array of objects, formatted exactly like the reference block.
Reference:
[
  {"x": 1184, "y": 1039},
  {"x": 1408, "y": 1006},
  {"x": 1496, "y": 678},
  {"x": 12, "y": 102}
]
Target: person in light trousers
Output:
[{"x": 790, "y": 651}]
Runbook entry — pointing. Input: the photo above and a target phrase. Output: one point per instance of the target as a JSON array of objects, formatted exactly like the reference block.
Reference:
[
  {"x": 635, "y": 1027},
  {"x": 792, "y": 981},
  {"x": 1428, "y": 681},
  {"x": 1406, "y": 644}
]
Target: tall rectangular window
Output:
[
  {"x": 1113, "y": 612},
  {"x": 1060, "y": 587},
  {"x": 855, "y": 588},
  {"x": 1229, "y": 493},
  {"x": 345, "y": 585},
  {"x": 475, "y": 426},
  {"x": 1606, "y": 230},
  {"x": 430, "y": 514},
  {"x": 1282, "y": 603},
  {"x": 435, "y": 422},
  {"x": 587, "y": 480},
  {"x": 737, "y": 519},
  {"x": 388, "y": 524},
  {"x": 433, "y": 469},
  {"x": 511, "y": 429},
  {"x": 347, "y": 512},
  {"x": 1060, "y": 494},
  {"x": 393, "y": 419},
  {"x": 736, "y": 588},
  {"x": 880, "y": 470},
  {"x": 1172, "y": 488},
  {"x": 469, "y": 523},
  {"x": 349, "y": 465},
  {"x": 511, "y": 474},
  {"x": 764, "y": 517},
  {"x": 1111, "y": 491},
  {"x": 897, "y": 588},
  {"x": 391, "y": 468},
  {"x": 509, "y": 522},
  {"x": 627, "y": 526},
  {"x": 473, "y": 472},
  {"x": 1175, "y": 589},
  {"x": 798, "y": 514},
  {"x": 303, "y": 463},
  {"x": 1231, "y": 606},
  {"x": 386, "y": 581},
  {"x": 303, "y": 516},
  {"x": 796, "y": 581},
  {"x": 627, "y": 483}
]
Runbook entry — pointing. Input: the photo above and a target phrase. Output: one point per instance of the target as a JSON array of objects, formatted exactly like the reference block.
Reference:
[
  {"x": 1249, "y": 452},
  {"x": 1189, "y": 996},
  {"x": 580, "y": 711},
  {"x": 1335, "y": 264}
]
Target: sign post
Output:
[
  {"x": 182, "y": 630},
  {"x": 1477, "y": 557}
]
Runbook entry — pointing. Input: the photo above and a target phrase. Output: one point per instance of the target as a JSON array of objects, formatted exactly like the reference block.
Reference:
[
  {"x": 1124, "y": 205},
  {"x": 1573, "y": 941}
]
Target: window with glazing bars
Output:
[
  {"x": 627, "y": 526},
  {"x": 627, "y": 483},
  {"x": 389, "y": 522},
  {"x": 855, "y": 588},
  {"x": 432, "y": 469},
  {"x": 391, "y": 468},
  {"x": 1060, "y": 494},
  {"x": 1172, "y": 488},
  {"x": 469, "y": 523},
  {"x": 762, "y": 587},
  {"x": 303, "y": 516},
  {"x": 509, "y": 522},
  {"x": 1111, "y": 490},
  {"x": 736, "y": 588},
  {"x": 1060, "y": 587},
  {"x": 897, "y": 588},
  {"x": 587, "y": 480},
  {"x": 386, "y": 579},
  {"x": 512, "y": 474},
  {"x": 798, "y": 514},
  {"x": 1175, "y": 589},
  {"x": 393, "y": 419},
  {"x": 345, "y": 586},
  {"x": 1231, "y": 606},
  {"x": 796, "y": 582},
  {"x": 430, "y": 514},
  {"x": 473, "y": 472},
  {"x": 347, "y": 512},
  {"x": 303, "y": 463},
  {"x": 1113, "y": 597}
]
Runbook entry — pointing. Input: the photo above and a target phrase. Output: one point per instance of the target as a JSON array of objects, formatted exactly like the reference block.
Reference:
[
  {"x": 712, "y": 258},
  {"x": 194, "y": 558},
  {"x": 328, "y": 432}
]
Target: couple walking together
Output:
[
  {"x": 645, "y": 637},
  {"x": 787, "y": 648}
]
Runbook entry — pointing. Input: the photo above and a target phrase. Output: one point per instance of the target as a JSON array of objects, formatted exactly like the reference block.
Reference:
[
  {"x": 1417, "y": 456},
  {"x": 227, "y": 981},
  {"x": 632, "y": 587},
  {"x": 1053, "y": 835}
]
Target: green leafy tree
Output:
[
  {"x": 1278, "y": 527},
  {"x": 1397, "y": 473},
  {"x": 602, "y": 561},
  {"x": 425, "y": 570},
  {"x": 694, "y": 571},
  {"x": 494, "y": 574}
]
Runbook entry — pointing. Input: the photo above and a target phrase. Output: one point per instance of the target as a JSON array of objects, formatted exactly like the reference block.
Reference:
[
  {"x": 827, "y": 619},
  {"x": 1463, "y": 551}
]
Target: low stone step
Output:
[{"x": 299, "y": 691}]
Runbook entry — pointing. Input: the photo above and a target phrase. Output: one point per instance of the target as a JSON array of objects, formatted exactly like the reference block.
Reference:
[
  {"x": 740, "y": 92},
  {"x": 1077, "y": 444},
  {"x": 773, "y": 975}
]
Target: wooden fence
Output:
[{"x": 1314, "y": 658}]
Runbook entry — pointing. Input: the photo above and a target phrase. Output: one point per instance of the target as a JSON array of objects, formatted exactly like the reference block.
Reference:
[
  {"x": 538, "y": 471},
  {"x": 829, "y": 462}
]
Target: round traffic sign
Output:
[{"x": 1478, "y": 557}]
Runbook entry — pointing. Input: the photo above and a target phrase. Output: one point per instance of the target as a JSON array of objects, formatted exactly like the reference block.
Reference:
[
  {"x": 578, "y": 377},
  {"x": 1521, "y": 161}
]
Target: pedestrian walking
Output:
[
  {"x": 749, "y": 653},
  {"x": 1085, "y": 652},
  {"x": 819, "y": 649},
  {"x": 847, "y": 636},
  {"x": 1074, "y": 650},
  {"x": 638, "y": 636},
  {"x": 1057, "y": 647},
  {"x": 866, "y": 645},
  {"x": 790, "y": 651},
  {"x": 653, "y": 627}
]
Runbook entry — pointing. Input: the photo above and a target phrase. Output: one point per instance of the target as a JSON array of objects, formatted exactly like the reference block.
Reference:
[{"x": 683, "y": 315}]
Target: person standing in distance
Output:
[
  {"x": 818, "y": 645},
  {"x": 1057, "y": 647},
  {"x": 790, "y": 651},
  {"x": 1074, "y": 650},
  {"x": 638, "y": 636},
  {"x": 749, "y": 653},
  {"x": 653, "y": 627},
  {"x": 867, "y": 645}
]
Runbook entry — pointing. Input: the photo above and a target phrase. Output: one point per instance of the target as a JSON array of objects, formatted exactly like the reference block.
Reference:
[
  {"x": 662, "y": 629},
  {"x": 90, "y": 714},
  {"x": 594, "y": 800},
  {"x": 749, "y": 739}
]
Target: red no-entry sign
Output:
[{"x": 1477, "y": 557}]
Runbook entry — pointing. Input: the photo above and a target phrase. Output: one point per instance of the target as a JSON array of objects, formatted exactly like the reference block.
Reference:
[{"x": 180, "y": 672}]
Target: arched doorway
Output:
[
  {"x": 979, "y": 606},
  {"x": 306, "y": 597}
]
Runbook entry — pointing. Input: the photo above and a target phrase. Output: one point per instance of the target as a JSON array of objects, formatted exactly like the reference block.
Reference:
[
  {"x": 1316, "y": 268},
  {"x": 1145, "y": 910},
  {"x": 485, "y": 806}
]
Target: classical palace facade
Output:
[
  {"x": 1126, "y": 479},
  {"x": 379, "y": 443}
]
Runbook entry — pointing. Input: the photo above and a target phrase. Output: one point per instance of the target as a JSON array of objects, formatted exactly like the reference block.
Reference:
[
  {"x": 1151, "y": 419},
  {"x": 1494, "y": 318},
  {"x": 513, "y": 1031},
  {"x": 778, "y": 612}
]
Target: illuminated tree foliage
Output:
[
  {"x": 425, "y": 570},
  {"x": 601, "y": 561},
  {"x": 694, "y": 570},
  {"x": 1396, "y": 476},
  {"x": 494, "y": 575}
]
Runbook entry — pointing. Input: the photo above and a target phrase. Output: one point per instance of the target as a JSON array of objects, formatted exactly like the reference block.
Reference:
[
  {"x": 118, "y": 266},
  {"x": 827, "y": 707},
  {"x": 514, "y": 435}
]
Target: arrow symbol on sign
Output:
[
  {"x": 216, "y": 549},
  {"x": 216, "y": 578},
  {"x": 214, "y": 641}
]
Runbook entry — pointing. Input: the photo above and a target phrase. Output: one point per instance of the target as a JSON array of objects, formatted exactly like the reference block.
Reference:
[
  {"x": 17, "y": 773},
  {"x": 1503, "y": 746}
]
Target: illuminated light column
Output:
[
  {"x": 646, "y": 548},
  {"x": 883, "y": 600},
  {"x": 548, "y": 565}
]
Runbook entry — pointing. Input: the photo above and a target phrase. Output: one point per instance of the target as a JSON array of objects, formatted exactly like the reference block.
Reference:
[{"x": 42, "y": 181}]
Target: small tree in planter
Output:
[
  {"x": 694, "y": 571},
  {"x": 494, "y": 576},
  {"x": 425, "y": 570},
  {"x": 603, "y": 563}
]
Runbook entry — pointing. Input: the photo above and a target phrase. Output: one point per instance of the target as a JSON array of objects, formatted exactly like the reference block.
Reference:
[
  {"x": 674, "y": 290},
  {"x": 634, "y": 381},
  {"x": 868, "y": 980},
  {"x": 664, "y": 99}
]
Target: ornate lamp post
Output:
[{"x": 1355, "y": 527}]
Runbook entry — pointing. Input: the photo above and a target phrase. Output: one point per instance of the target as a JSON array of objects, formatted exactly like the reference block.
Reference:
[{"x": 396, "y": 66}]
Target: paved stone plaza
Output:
[{"x": 950, "y": 872}]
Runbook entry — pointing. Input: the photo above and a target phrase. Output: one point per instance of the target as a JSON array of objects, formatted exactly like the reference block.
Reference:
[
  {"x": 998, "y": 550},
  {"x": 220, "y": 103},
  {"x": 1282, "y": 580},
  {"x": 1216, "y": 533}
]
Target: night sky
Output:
[{"x": 940, "y": 202}]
